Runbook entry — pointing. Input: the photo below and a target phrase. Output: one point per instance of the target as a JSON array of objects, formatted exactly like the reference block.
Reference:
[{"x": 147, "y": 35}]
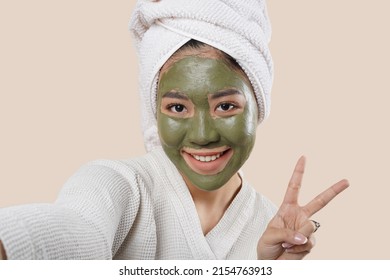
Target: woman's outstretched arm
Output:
[{"x": 85, "y": 222}]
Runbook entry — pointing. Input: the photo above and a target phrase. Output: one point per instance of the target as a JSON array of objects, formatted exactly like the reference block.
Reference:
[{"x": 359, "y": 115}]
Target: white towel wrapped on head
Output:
[{"x": 236, "y": 27}]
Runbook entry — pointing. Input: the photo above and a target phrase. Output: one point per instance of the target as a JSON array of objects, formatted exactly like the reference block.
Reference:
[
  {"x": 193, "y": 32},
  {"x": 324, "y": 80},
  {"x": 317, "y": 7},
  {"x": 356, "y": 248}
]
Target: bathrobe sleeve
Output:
[{"x": 90, "y": 219}]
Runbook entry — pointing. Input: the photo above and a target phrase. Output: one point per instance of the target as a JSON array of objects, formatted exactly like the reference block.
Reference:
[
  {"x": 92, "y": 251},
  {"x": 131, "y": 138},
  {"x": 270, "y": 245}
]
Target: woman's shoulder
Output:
[
  {"x": 262, "y": 203},
  {"x": 268, "y": 207}
]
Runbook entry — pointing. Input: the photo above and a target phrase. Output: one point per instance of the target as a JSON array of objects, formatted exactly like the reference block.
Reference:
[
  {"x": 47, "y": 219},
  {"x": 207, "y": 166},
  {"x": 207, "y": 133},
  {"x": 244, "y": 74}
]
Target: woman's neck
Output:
[{"x": 211, "y": 205}]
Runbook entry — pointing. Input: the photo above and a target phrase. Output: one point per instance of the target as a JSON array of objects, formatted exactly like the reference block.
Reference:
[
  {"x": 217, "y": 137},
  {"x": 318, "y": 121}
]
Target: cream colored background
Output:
[{"x": 68, "y": 95}]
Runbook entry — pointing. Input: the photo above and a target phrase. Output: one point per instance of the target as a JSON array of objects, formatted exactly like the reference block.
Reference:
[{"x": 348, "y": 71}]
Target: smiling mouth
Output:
[
  {"x": 207, "y": 158},
  {"x": 207, "y": 162}
]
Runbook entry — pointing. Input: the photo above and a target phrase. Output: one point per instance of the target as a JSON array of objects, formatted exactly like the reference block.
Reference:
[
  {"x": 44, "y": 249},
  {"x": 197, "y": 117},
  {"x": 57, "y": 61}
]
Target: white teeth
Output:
[{"x": 206, "y": 158}]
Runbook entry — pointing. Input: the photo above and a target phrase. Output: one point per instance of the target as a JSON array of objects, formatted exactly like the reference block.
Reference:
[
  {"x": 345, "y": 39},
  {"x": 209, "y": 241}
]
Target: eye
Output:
[
  {"x": 177, "y": 108},
  {"x": 225, "y": 107}
]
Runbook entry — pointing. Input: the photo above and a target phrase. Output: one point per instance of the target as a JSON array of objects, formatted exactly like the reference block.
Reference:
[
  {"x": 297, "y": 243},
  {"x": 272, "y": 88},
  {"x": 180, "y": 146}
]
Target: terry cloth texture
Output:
[
  {"x": 132, "y": 209},
  {"x": 239, "y": 28}
]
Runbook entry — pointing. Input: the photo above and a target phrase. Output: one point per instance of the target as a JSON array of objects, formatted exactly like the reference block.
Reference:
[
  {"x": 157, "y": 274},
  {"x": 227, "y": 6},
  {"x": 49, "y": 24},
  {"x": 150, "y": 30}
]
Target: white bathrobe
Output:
[{"x": 132, "y": 209}]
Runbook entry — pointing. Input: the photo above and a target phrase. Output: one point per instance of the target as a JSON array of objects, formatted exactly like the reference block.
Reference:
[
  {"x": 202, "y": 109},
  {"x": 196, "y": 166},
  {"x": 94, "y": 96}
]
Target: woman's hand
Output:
[
  {"x": 3, "y": 256},
  {"x": 289, "y": 235}
]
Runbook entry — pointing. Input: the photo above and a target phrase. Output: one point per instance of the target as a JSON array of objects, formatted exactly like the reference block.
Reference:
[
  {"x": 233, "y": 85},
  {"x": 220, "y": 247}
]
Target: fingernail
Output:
[
  {"x": 286, "y": 245},
  {"x": 300, "y": 238}
]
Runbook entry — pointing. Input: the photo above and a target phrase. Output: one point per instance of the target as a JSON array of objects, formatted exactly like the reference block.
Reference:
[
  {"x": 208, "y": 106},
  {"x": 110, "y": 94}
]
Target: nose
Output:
[{"x": 202, "y": 130}]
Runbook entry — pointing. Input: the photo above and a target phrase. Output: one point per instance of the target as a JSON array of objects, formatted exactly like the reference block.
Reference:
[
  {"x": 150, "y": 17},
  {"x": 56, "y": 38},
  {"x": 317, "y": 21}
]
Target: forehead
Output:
[{"x": 196, "y": 75}]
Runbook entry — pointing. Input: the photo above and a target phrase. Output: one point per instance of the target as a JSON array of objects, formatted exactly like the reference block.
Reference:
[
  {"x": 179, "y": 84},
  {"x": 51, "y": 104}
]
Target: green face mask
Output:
[{"x": 207, "y": 119}]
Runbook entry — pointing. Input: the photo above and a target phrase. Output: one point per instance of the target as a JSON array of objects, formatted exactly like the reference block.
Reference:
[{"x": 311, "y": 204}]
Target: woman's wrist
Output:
[{"x": 3, "y": 255}]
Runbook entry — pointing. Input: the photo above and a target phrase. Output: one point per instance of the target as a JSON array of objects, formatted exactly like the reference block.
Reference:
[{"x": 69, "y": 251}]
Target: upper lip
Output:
[{"x": 205, "y": 152}]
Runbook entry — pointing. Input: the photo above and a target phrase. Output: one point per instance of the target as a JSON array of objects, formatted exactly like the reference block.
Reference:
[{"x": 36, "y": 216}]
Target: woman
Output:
[{"x": 186, "y": 198}]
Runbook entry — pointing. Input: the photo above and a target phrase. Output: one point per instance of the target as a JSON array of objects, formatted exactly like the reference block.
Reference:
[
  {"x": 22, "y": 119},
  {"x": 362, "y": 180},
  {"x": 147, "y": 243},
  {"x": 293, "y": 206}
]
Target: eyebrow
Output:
[
  {"x": 225, "y": 92},
  {"x": 175, "y": 94}
]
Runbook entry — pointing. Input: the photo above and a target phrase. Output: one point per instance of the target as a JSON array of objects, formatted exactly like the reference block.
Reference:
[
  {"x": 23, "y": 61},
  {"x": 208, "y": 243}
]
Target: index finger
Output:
[
  {"x": 291, "y": 196},
  {"x": 321, "y": 200}
]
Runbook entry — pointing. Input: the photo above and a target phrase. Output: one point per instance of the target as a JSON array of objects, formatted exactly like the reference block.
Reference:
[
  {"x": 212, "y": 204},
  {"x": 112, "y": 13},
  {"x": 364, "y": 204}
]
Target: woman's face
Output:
[{"x": 207, "y": 119}]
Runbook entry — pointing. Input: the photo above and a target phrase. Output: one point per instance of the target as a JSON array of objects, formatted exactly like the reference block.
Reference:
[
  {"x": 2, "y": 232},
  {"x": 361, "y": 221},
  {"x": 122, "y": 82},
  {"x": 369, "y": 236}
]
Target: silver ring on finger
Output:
[{"x": 316, "y": 225}]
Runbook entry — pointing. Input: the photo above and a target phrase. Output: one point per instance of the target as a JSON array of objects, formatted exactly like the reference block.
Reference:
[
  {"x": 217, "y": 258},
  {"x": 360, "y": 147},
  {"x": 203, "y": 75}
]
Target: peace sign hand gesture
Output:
[{"x": 289, "y": 235}]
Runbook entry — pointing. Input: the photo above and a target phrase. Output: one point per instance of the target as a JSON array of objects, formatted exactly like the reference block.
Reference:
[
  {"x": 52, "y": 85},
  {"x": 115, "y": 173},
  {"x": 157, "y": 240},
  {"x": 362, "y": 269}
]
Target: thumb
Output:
[
  {"x": 307, "y": 230},
  {"x": 283, "y": 235}
]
